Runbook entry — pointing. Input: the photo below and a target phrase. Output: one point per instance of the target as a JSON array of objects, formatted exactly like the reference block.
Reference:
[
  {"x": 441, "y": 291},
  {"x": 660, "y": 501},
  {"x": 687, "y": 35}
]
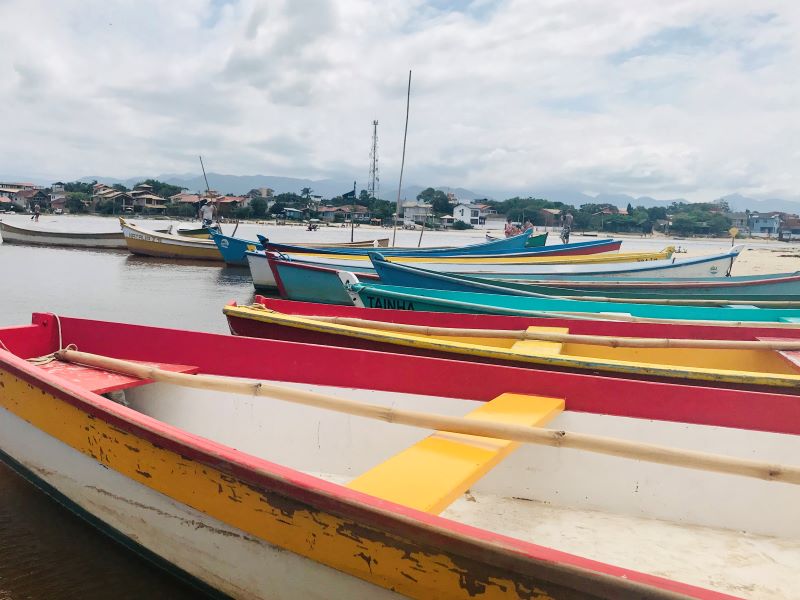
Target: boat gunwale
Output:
[
  {"x": 431, "y": 531},
  {"x": 104, "y": 235}
]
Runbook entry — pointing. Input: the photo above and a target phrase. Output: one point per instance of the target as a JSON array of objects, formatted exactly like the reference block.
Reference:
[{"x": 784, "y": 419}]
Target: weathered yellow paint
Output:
[
  {"x": 540, "y": 347},
  {"x": 750, "y": 367},
  {"x": 434, "y": 472},
  {"x": 157, "y": 248},
  {"x": 607, "y": 257},
  {"x": 362, "y": 551}
]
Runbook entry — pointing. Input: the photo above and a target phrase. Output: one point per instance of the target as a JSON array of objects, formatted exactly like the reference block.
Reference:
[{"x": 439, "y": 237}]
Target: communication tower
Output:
[{"x": 374, "y": 178}]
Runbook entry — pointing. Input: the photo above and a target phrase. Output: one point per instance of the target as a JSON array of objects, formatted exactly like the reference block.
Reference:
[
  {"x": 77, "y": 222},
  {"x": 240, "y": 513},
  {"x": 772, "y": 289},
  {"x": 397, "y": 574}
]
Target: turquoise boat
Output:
[
  {"x": 234, "y": 249},
  {"x": 387, "y": 297},
  {"x": 780, "y": 287}
]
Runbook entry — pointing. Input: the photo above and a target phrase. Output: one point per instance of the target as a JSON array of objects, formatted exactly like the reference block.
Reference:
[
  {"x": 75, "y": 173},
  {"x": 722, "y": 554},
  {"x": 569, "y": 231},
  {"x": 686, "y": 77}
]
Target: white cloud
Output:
[{"x": 693, "y": 98}]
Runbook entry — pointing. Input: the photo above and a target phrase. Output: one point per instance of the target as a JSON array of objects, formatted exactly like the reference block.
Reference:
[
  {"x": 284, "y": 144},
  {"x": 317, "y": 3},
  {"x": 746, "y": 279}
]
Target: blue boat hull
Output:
[{"x": 233, "y": 249}]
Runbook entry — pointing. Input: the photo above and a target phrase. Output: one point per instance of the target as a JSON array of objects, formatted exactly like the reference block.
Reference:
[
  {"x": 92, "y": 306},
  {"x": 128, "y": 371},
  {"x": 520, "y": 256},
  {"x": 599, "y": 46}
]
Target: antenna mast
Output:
[{"x": 374, "y": 178}]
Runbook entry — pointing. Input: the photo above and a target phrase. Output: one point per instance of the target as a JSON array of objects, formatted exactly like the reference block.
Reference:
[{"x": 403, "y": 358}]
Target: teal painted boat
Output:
[
  {"x": 388, "y": 297},
  {"x": 780, "y": 287}
]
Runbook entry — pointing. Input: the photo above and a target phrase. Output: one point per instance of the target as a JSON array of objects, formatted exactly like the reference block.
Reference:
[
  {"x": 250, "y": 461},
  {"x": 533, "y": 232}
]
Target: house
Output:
[
  {"x": 764, "y": 224},
  {"x": 145, "y": 200},
  {"x": 27, "y": 199},
  {"x": 347, "y": 212},
  {"x": 227, "y": 204},
  {"x": 790, "y": 228},
  {"x": 184, "y": 198},
  {"x": 20, "y": 186},
  {"x": 101, "y": 193},
  {"x": 469, "y": 214},
  {"x": 740, "y": 220},
  {"x": 550, "y": 216},
  {"x": 473, "y": 214},
  {"x": 293, "y": 213},
  {"x": 415, "y": 211}
]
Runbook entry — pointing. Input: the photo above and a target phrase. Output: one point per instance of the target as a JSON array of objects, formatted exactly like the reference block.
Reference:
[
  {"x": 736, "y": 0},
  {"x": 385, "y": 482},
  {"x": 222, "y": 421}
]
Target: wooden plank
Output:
[
  {"x": 101, "y": 381},
  {"x": 435, "y": 471},
  {"x": 540, "y": 347}
]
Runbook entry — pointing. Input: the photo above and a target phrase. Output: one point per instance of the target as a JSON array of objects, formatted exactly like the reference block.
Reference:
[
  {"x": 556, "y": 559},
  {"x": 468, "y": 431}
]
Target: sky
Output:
[{"x": 693, "y": 99}]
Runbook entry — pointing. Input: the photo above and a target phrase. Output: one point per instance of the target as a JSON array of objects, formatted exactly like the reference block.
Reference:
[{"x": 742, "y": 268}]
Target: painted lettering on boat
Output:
[{"x": 397, "y": 304}]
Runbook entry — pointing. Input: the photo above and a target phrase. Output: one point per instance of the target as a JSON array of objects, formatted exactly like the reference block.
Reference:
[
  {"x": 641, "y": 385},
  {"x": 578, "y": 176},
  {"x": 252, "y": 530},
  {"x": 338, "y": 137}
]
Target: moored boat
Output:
[
  {"x": 265, "y": 273},
  {"x": 14, "y": 234},
  {"x": 781, "y": 288},
  {"x": 755, "y": 364},
  {"x": 374, "y": 295},
  {"x": 201, "y": 233},
  {"x": 145, "y": 242},
  {"x": 233, "y": 249},
  {"x": 236, "y": 490}
]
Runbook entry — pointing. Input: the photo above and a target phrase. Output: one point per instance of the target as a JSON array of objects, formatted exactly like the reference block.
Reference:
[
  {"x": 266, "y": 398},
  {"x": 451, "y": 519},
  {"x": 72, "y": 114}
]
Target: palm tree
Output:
[{"x": 306, "y": 193}]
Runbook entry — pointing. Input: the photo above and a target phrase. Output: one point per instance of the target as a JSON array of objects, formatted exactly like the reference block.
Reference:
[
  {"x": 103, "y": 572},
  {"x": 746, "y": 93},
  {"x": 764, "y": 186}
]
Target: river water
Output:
[{"x": 46, "y": 552}]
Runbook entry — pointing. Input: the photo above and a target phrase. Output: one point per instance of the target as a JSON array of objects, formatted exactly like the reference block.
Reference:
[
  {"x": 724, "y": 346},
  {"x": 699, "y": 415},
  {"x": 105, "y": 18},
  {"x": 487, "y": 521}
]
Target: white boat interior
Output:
[{"x": 728, "y": 533}]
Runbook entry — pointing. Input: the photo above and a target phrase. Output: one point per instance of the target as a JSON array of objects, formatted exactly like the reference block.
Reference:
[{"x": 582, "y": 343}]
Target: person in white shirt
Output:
[{"x": 207, "y": 213}]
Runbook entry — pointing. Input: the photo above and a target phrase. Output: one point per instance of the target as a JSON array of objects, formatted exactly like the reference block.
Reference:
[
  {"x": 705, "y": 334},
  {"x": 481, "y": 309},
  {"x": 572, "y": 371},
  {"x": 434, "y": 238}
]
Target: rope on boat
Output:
[
  {"x": 689, "y": 459},
  {"x": 48, "y": 358}
]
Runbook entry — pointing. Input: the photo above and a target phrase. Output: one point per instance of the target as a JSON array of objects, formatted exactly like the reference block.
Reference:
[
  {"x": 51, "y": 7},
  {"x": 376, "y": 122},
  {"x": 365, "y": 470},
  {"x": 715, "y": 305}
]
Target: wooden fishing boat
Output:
[
  {"x": 201, "y": 233},
  {"x": 300, "y": 280},
  {"x": 502, "y": 266},
  {"x": 164, "y": 245},
  {"x": 233, "y": 249},
  {"x": 470, "y": 252},
  {"x": 374, "y": 295},
  {"x": 13, "y": 234},
  {"x": 758, "y": 364},
  {"x": 531, "y": 243},
  {"x": 515, "y": 245},
  {"x": 781, "y": 289},
  {"x": 250, "y": 496},
  {"x": 595, "y": 327}
]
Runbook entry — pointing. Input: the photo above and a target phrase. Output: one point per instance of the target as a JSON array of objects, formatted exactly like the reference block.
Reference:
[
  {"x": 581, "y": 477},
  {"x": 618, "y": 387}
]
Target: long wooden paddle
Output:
[
  {"x": 564, "y": 338},
  {"x": 531, "y": 435}
]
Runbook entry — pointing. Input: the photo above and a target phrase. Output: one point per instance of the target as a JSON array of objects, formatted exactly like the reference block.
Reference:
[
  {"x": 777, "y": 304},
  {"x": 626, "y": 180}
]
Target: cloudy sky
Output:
[{"x": 692, "y": 98}]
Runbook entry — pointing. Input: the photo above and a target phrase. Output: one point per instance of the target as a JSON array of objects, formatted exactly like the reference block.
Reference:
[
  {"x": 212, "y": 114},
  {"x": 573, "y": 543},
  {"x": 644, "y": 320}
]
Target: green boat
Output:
[{"x": 388, "y": 297}]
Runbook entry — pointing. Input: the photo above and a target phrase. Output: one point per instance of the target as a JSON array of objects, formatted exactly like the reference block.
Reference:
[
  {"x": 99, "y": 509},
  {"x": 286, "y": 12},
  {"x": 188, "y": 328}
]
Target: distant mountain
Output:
[{"x": 739, "y": 203}]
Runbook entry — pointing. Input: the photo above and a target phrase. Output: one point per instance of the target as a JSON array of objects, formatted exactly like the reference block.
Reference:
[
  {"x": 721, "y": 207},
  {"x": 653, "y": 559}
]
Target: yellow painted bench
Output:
[
  {"x": 434, "y": 472},
  {"x": 540, "y": 347}
]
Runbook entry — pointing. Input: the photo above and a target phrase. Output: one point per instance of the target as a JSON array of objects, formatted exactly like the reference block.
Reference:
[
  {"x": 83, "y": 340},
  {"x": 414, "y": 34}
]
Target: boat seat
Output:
[
  {"x": 101, "y": 381},
  {"x": 790, "y": 356},
  {"x": 434, "y": 472},
  {"x": 539, "y": 347}
]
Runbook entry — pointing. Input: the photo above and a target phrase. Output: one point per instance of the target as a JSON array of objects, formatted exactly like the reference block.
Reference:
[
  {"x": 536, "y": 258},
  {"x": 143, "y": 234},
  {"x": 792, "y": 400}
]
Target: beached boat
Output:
[
  {"x": 233, "y": 249},
  {"x": 500, "y": 267},
  {"x": 595, "y": 327},
  {"x": 761, "y": 366},
  {"x": 517, "y": 244},
  {"x": 164, "y": 245},
  {"x": 253, "y": 497},
  {"x": 299, "y": 280},
  {"x": 13, "y": 234},
  {"x": 530, "y": 243},
  {"x": 780, "y": 289},
  {"x": 470, "y": 252},
  {"x": 389, "y": 297}
]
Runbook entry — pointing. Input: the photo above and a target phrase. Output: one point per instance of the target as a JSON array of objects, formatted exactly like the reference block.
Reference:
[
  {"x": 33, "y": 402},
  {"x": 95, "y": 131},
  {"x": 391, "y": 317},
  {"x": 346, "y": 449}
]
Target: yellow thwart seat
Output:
[
  {"x": 539, "y": 347},
  {"x": 434, "y": 472}
]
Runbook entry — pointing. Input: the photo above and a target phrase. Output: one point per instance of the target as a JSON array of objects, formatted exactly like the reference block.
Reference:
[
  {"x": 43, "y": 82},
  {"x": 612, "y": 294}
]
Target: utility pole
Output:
[{"x": 374, "y": 178}]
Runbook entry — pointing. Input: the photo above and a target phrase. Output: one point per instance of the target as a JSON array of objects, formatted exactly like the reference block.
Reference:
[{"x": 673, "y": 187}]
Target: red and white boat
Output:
[{"x": 256, "y": 497}]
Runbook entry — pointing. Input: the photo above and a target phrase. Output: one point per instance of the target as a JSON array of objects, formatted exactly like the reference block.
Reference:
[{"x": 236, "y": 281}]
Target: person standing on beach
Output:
[
  {"x": 566, "y": 226},
  {"x": 37, "y": 210}
]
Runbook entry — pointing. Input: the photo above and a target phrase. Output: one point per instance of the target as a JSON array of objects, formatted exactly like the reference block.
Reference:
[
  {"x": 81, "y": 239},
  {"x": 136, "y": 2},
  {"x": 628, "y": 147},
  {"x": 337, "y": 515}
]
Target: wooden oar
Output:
[
  {"x": 684, "y": 301},
  {"x": 549, "y": 437},
  {"x": 564, "y": 338}
]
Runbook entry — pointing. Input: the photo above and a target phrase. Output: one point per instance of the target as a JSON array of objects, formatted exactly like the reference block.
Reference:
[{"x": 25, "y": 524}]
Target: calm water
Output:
[{"x": 46, "y": 552}]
